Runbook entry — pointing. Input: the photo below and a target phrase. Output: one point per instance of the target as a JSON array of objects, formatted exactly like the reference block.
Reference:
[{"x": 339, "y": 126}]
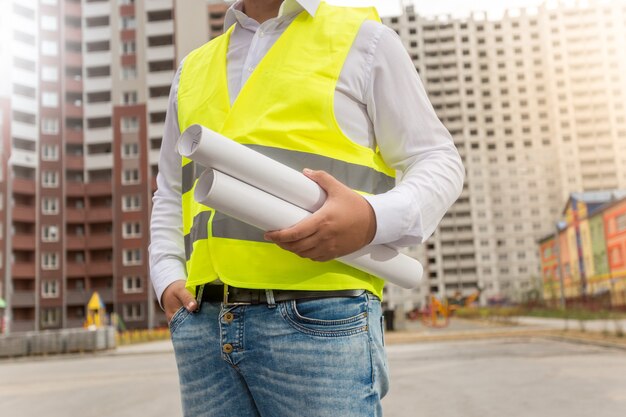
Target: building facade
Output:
[
  {"x": 587, "y": 255},
  {"x": 82, "y": 107},
  {"x": 535, "y": 102}
]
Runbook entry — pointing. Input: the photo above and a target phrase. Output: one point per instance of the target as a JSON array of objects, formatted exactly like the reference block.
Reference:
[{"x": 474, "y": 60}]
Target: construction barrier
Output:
[{"x": 52, "y": 342}]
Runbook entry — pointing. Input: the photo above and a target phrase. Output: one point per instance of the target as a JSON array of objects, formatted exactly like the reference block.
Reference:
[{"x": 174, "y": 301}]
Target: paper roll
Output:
[
  {"x": 211, "y": 149},
  {"x": 268, "y": 212}
]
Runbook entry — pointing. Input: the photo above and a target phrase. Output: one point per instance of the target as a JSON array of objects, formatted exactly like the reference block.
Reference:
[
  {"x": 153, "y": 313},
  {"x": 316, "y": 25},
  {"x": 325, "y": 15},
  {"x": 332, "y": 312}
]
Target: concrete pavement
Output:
[{"x": 516, "y": 377}]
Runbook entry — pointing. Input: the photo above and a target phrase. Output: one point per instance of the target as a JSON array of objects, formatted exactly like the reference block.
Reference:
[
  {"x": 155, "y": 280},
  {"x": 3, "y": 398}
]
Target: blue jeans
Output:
[{"x": 307, "y": 358}]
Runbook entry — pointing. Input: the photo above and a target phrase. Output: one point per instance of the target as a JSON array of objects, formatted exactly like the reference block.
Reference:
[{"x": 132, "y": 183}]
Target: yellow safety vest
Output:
[{"x": 286, "y": 111}]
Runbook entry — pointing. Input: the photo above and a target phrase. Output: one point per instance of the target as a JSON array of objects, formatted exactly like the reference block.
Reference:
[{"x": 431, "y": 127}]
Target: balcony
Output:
[
  {"x": 99, "y": 188},
  {"x": 77, "y": 297},
  {"x": 99, "y": 109},
  {"x": 100, "y": 241},
  {"x": 73, "y": 34},
  {"x": 75, "y": 189},
  {"x": 73, "y": 9},
  {"x": 22, "y": 326},
  {"x": 160, "y": 78},
  {"x": 23, "y": 270},
  {"x": 74, "y": 136},
  {"x": 96, "y": 84},
  {"x": 72, "y": 110},
  {"x": 96, "y": 9},
  {"x": 23, "y": 299},
  {"x": 75, "y": 215},
  {"x": 100, "y": 214},
  {"x": 160, "y": 53},
  {"x": 74, "y": 85},
  {"x": 24, "y": 213},
  {"x": 24, "y": 130},
  {"x": 24, "y": 241},
  {"x": 73, "y": 323},
  {"x": 158, "y": 5},
  {"x": 73, "y": 59},
  {"x": 100, "y": 135},
  {"x": 100, "y": 33},
  {"x": 106, "y": 294},
  {"x": 75, "y": 242},
  {"x": 99, "y": 161},
  {"x": 99, "y": 268},
  {"x": 165, "y": 27},
  {"x": 74, "y": 162},
  {"x": 74, "y": 269},
  {"x": 22, "y": 158}
]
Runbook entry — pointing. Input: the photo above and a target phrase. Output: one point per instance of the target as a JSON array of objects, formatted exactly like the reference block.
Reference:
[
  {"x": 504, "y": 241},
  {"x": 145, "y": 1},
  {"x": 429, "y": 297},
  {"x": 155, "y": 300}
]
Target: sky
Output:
[{"x": 431, "y": 8}]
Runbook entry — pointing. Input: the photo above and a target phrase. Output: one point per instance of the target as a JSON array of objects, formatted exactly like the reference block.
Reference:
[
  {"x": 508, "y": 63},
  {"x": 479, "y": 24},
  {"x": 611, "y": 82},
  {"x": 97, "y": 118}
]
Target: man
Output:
[{"x": 268, "y": 324}]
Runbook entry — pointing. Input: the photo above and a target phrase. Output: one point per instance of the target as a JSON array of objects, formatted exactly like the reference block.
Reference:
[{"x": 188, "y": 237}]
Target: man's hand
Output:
[
  {"x": 176, "y": 296},
  {"x": 344, "y": 224}
]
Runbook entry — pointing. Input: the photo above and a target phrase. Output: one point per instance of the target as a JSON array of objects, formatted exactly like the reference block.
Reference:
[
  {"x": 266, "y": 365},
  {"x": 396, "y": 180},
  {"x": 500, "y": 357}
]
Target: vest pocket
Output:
[{"x": 327, "y": 317}]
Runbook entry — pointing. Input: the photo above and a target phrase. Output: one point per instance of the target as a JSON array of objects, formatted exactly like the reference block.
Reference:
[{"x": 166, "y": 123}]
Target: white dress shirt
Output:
[{"x": 379, "y": 101}]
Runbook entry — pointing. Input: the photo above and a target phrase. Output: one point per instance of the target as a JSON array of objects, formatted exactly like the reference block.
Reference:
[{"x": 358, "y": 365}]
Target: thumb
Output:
[
  {"x": 186, "y": 299},
  {"x": 323, "y": 179}
]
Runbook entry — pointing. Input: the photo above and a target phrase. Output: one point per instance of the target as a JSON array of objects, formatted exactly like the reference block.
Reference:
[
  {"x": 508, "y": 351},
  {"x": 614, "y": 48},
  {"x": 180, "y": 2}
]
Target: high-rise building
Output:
[
  {"x": 84, "y": 89},
  {"x": 535, "y": 103}
]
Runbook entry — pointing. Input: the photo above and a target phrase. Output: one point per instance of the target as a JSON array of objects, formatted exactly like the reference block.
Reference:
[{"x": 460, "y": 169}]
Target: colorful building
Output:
[
  {"x": 589, "y": 256},
  {"x": 615, "y": 232}
]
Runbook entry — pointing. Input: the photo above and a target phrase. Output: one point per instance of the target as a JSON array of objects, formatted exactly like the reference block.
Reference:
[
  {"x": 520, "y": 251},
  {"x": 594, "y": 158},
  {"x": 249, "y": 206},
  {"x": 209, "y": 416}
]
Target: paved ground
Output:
[{"x": 493, "y": 378}]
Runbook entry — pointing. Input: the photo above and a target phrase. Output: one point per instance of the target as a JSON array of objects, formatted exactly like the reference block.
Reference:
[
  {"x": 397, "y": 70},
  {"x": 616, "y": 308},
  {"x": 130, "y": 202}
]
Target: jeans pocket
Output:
[
  {"x": 327, "y": 317},
  {"x": 181, "y": 314}
]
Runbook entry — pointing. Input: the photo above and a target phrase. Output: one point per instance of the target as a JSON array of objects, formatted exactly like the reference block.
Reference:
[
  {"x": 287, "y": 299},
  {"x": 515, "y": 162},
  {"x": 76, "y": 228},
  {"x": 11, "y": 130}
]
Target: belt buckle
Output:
[{"x": 227, "y": 303}]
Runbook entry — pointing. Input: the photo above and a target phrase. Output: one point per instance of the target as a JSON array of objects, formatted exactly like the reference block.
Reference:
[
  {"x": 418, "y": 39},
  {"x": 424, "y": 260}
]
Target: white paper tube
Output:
[
  {"x": 267, "y": 212},
  {"x": 213, "y": 150}
]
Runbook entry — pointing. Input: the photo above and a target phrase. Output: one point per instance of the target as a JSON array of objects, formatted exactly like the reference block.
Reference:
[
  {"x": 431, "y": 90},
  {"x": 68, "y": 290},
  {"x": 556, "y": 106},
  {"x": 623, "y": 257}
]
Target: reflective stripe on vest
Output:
[
  {"x": 357, "y": 177},
  {"x": 286, "y": 111}
]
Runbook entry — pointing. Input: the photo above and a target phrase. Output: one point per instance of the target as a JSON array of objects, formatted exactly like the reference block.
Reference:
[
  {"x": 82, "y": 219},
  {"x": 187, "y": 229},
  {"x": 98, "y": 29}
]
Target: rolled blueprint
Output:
[
  {"x": 211, "y": 149},
  {"x": 267, "y": 212}
]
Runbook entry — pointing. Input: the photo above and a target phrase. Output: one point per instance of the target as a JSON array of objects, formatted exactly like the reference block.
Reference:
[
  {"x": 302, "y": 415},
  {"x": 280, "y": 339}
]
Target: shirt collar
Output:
[{"x": 235, "y": 12}]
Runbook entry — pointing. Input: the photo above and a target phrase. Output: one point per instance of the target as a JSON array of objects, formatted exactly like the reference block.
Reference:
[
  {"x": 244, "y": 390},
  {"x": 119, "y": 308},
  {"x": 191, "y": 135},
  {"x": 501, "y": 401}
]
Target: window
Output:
[
  {"x": 128, "y": 22},
  {"x": 620, "y": 222},
  {"x": 50, "y": 179},
  {"x": 131, "y": 203},
  {"x": 49, "y": 126},
  {"x": 128, "y": 47},
  {"x": 130, "y": 176},
  {"x": 132, "y": 257},
  {"x": 132, "y": 285},
  {"x": 130, "y": 150},
  {"x": 49, "y": 48},
  {"x": 50, "y": 289},
  {"x": 49, "y": 73},
  {"x": 132, "y": 312},
  {"x": 50, "y": 205},
  {"x": 129, "y": 97},
  {"x": 50, "y": 152},
  {"x": 50, "y": 234},
  {"x": 49, "y": 23},
  {"x": 131, "y": 230},
  {"x": 50, "y": 260},
  {"x": 50, "y": 317},
  {"x": 49, "y": 99},
  {"x": 129, "y": 72},
  {"x": 130, "y": 124}
]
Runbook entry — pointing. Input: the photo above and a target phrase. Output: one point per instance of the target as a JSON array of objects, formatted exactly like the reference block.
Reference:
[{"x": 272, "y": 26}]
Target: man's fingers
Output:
[
  {"x": 302, "y": 246},
  {"x": 301, "y": 230},
  {"x": 324, "y": 180},
  {"x": 186, "y": 299}
]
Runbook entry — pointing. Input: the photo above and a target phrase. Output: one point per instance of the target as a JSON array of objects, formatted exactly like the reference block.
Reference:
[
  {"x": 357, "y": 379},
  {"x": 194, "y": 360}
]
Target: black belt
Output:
[{"x": 244, "y": 296}]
